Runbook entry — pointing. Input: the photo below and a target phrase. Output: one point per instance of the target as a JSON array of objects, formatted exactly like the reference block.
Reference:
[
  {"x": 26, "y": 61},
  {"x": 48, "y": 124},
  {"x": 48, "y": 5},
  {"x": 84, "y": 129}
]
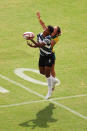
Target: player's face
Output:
[
  {"x": 55, "y": 31},
  {"x": 46, "y": 31}
]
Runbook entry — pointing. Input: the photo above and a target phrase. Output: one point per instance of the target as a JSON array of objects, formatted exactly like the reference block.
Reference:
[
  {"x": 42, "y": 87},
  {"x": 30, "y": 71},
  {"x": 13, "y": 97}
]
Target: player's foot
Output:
[
  {"x": 49, "y": 94},
  {"x": 54, "y": 83}
]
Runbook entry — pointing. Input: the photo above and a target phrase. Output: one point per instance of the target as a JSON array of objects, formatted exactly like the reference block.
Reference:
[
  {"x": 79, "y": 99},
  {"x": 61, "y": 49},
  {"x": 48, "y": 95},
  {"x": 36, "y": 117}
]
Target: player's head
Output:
[
  {"x": 49, "y": 30},
  {"x": 57, "y": 30}
]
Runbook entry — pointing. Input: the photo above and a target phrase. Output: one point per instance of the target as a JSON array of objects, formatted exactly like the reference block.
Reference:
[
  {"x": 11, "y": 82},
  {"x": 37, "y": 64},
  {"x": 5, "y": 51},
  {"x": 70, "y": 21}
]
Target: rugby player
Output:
[
  {"x": 55, "y": 38},
  {"x": 46, "y": 58}
]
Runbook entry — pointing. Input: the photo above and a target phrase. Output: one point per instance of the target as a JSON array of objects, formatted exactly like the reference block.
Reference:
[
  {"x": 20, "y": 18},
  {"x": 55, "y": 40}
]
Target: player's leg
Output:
[
  {"x": 49, "y": 81},
  {"x": 53, "y": 65},
  {"x": 42, "y": 70},
  {"x": 48, "y": 64},
  {"x": 47, "y": 71},
  {"x": 53, "y": 73}
]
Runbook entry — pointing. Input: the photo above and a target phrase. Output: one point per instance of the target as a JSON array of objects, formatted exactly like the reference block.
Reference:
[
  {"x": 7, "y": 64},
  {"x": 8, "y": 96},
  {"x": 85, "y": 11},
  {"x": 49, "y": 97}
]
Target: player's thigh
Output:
[
  {"x": 42, "y": 70},
  {"x": 53, "y": 70},
  {"x": 53, "y": 63},
  {"x": 48, "y": 65},
  {"x": 47, "y": 71},
  {"x": 53, "y": 67}
]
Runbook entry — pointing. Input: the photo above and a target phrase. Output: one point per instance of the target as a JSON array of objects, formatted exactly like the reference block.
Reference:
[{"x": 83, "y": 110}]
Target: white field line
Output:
[
  {"x": 69, "y": 109},
  {"x": 3, "y": 90},
  {"x": 20, "y": 85},
  {"x": 68, "y": 97},
  {"x": 20, "y": 72},
  {"x": 52, "y": 101},
  {"x": 40, "y": 101},
  {"x": 23, "y": 103}
]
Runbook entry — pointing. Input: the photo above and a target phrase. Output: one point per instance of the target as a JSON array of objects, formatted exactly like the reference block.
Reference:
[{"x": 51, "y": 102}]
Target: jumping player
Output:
[
  {"x": 46, "y": 58},
  {"x": 54, "y": 39}
]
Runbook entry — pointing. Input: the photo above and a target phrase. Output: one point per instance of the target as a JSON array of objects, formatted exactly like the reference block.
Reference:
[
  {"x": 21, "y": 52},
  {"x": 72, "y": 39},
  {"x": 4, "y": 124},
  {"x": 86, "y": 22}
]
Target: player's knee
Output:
[
  {"x": 42, "y": 72},
  {"x": 53, "y": 73},
  {"x": 47, "y": 73}
]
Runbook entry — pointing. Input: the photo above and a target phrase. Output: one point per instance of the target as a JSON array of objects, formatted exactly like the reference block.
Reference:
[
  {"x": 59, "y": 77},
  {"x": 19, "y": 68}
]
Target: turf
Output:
[{"x": 17, "y": 17}]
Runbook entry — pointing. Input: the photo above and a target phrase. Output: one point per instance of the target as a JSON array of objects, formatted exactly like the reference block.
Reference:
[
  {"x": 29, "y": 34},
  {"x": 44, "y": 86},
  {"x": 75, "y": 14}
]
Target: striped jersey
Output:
[{"x": 45, "y": 50}]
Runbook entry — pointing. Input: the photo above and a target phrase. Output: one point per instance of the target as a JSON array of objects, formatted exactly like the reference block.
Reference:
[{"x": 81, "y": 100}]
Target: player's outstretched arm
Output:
[
  {"x": 41, "y": 21},
  {"x": 29, "y": 44},
  {"x": 37, "y": 44}
]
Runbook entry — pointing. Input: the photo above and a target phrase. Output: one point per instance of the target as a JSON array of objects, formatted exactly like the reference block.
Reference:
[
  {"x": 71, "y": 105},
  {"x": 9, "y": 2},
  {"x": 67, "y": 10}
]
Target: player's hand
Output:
[
  {"x": 38, "y": 15},
  {"x": 29, "y": 43}
]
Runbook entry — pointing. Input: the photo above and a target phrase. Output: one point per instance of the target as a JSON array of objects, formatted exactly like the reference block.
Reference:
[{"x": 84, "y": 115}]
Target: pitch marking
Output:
[
  {"x": 40, "y": 101},
  {"x": 2, "y": 90},
  {"x": 52, "y": 101},
  {"x": 20, "y": 85},
  {"x": 68, "y": 97},
  {"x": 20, "y": 72},
  {"x": 23, "y": 103}
]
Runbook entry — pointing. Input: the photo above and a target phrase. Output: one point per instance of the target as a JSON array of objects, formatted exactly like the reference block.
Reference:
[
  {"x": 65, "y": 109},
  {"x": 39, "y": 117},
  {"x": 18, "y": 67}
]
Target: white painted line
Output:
[
  {"x": 23, "y": 103},
  {"x": 69, "y": 109},
  {"x": 68, "y": 97},
  {"x": 20, "y": 85},
  {"x": 3, "y": 90},
  {"x": 20, "y": 72},
  {"x": 52, "y": 101},
  {"x": 40, "y": 101}
]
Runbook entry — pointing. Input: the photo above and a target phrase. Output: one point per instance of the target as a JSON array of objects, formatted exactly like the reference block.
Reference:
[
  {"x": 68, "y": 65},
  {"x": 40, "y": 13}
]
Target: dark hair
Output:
[
  {"x": 51, "y": 29},
  {"x": 58, "y": 30}
]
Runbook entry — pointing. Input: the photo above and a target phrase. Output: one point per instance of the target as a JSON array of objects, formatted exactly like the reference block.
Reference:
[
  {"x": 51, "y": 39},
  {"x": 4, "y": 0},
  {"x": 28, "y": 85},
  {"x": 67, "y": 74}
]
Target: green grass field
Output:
[{"x": 23, "y": 108}]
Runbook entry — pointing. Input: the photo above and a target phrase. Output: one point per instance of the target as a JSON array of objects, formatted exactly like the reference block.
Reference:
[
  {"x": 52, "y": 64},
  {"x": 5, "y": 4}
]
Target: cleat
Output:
[
  {"x": 49, "y": 94},
  {"x": 54, "y": 83}
]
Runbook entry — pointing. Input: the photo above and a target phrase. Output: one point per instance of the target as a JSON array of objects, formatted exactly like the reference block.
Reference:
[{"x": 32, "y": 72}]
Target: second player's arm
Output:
[
  {"x": 53, "y": 43},
  {"x": 41, "y": 21}
]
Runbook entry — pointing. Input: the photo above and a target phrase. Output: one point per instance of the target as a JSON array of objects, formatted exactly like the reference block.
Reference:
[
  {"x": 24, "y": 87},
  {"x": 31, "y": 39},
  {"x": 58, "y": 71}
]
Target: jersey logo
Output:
[{"x": 49, "y": 61}]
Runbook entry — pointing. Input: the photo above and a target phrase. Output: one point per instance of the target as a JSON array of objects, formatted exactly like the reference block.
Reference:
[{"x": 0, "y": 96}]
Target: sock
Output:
[
  {"x": 49, "y": 81},
  {"x": 53, "y": 80}
]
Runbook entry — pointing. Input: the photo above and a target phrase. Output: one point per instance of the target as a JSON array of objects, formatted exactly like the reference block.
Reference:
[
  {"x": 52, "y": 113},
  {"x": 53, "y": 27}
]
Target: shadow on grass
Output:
[{"x": 43, "y": 117}]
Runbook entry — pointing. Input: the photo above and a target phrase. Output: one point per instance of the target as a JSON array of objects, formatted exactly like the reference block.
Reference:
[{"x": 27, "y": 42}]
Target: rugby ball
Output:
[{"x": 28, "y": 35}]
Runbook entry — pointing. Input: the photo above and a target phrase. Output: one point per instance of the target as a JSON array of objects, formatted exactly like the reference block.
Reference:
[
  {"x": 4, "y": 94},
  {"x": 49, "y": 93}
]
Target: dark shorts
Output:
[
  {"x": 53, "y": 53},
  {"x": 46, "y": 60}
]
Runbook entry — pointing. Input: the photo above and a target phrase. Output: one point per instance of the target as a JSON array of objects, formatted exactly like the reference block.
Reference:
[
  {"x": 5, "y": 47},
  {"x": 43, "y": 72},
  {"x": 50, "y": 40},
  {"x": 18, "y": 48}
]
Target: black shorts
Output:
[
  {"x": 46, "y": 60},
  {"x": 53, "y": 53}
]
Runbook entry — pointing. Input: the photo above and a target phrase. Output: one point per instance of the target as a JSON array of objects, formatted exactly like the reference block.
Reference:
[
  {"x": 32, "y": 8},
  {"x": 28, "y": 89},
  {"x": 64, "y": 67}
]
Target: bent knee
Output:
[{"x": 42, "y": 72}]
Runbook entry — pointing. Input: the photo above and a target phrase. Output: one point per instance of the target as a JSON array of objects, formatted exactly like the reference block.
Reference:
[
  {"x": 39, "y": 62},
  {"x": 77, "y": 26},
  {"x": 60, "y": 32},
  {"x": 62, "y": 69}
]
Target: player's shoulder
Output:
[
  {"x": 40, "y": 34},
  {"x": 55, "y": 38}
]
